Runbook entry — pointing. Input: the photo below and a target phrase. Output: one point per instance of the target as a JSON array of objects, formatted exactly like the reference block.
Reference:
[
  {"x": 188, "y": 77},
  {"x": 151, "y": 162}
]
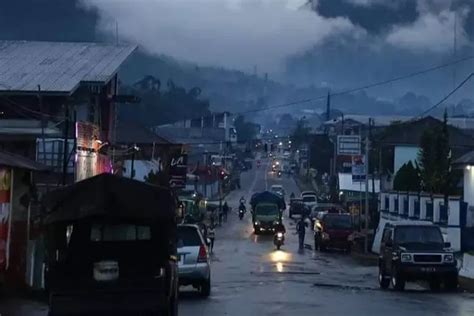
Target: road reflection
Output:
[{"x": 279, "y": 257}]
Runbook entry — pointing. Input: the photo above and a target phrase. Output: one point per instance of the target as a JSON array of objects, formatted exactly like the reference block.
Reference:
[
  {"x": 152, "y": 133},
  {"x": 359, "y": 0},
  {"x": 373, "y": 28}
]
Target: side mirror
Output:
[{"x": 447, "y": 245}]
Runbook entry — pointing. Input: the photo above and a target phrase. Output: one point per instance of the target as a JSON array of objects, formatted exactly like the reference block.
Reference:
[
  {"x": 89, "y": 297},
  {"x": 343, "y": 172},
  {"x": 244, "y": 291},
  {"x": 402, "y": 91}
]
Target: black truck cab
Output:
[{"x": 412, "y": 251}]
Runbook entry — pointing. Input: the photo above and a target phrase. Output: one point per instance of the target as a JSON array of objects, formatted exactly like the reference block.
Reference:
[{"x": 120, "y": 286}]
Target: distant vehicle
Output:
[
  {"x": 310, "y": 201},
  {"x": 278, "y": 189},
  {"x": 321, "y": 208},
  {"x": 102, "y": 256},
  {"x": 332, "y": 230},
  {"x": 194, "y": 266},
  {"x": 297, "y": 207},
  {"x": 416, "y": 251},
  {"x": 267, "y": 210}
]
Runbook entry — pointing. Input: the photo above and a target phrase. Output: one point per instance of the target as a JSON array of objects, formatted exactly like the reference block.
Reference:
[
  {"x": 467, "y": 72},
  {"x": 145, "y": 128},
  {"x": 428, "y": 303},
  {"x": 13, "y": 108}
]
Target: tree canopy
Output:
[
  {"x": 160, "y": 106},
  {"x": 435, "y": 160},
  {"x": 407, "y": 178},
  {"x": 246, "y": 131}
]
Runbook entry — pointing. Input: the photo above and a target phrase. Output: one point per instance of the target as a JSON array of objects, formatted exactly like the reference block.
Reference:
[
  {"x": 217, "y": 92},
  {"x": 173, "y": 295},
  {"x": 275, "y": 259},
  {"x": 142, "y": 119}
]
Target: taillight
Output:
[{"x": 202, "y": 257}]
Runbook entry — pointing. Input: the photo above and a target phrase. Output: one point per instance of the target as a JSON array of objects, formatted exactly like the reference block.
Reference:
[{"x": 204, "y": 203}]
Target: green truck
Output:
[{"x": 267, "y": 211}]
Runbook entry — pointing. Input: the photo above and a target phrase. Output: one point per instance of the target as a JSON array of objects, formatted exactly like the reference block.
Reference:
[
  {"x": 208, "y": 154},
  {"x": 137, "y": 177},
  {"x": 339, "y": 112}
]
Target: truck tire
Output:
[
  {"x": 384, "y": 282},
  {"x": 397, "y": 280}
]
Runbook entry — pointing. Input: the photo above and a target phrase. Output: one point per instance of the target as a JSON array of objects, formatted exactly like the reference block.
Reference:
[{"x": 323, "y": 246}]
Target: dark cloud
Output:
[{"x": 376, "y": 18}]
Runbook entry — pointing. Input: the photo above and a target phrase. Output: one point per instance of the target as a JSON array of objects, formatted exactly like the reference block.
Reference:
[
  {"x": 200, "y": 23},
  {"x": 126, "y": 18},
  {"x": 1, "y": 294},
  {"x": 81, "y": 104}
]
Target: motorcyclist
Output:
[
  {"x": 280, "y": 228},
  {"x": 242, "y": 200},
  {"x": 292, "y": 195}
]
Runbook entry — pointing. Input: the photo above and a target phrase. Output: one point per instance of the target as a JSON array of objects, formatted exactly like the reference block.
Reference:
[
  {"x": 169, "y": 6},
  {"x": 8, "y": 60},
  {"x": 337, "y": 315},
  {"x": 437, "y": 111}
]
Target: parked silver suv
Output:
[{"x": 193, "y": 259}]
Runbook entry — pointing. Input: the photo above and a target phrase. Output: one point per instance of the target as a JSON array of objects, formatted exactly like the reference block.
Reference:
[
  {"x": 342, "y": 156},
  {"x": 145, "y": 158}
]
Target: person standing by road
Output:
[
  {"x": 211, "y": 234},
  {"x": 301, "y": 230},
  {"x": 225, "y": 209}
]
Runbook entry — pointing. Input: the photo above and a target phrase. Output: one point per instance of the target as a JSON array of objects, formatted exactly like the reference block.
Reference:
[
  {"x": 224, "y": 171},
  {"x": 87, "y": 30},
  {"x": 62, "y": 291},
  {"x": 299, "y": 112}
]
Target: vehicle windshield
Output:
[
  {"x": 269, "y": 209},
  {"x": 418, "y": 235},
  {"x": 188, "y": 237},
  {"x": 309, "y": 198},
  {"x": 338, "y": 222}
]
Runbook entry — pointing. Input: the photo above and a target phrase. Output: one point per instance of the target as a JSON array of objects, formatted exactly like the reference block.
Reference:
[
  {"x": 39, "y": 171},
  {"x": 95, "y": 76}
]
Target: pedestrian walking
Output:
[
  {"x": 301, "y": 230},
  {"x": 211, "y": 234},
  {"x": 225, "y": 208}
]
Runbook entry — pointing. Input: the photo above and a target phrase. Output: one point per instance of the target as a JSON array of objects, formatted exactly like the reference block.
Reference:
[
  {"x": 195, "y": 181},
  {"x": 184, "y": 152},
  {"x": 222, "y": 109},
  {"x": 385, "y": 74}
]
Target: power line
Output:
[
  {"x": 361, "y": 88},
  {"x": 447, "y": 96}
]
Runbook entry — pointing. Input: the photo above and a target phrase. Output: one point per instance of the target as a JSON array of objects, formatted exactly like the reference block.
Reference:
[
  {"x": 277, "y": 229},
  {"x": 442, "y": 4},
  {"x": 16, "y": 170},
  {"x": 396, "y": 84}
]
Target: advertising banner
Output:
[
  {"x": 358, "y": 168},
  {"x": 178, "y": 170},
  {"x": 5, "y": 188}
]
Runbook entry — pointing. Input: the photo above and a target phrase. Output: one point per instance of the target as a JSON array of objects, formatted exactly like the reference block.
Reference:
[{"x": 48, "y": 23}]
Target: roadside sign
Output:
[
  {"x": 178, "y": 170},
  {"x": 358, "y": 168},
  {"x": 348, "y": 145}
]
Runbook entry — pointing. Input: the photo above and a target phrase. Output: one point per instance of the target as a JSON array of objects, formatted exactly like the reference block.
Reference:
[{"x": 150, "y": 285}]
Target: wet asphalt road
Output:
[{"x": 249, "y": 277}]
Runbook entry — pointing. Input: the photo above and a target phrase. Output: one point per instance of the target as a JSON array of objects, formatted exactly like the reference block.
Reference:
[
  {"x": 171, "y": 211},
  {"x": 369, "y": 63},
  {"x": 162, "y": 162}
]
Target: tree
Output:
[
  {"x": 407, "y": 178},
  {"x": 435, "y": 159},
  {"x": 246, "y": 131},
  {"x": 301, "y": 133}
]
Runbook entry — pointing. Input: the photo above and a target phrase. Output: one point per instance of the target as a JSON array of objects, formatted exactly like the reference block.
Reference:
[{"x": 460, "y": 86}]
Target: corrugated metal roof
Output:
[
  {"x": 16, "y": 161},
  {"x": 57, "y": 66}
]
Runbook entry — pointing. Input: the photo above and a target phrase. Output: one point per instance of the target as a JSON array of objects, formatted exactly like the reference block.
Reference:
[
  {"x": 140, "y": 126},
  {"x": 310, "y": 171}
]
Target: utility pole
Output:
[
  {"x": 328, "y": 106},
  {"x": 373, "y": 168},
  {"x": 65, "y": 148},
  {"x": 366, "y": 223}
]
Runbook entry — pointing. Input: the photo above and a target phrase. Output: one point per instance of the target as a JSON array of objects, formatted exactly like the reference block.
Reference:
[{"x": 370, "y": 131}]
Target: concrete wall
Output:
[
  {"x": 451, "y": 229},
  {"x": 469, "y": 185}
]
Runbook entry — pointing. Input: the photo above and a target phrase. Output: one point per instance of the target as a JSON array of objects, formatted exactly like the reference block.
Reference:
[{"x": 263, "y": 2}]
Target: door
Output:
[
  {"x": 388, "y": 249},
  {"x": 384, "y": 253}
]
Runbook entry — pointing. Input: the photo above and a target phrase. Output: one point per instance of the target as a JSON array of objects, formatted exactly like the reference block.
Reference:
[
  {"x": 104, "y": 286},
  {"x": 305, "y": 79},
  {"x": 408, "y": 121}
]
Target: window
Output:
[
  {"x": 188, "y": 237},
  {"x": 387, "y": 235},
  {"x": 120, "y": 232},
  {"x": 309, "y": 199}
]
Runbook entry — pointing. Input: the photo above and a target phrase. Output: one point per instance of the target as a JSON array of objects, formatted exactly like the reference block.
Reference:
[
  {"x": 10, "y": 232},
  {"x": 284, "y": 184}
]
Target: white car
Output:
[{"x": 278, "y": 189}]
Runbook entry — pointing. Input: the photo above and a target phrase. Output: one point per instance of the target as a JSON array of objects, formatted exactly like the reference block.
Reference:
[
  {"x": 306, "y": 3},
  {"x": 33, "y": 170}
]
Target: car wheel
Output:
[
  {"x": 205, "y": 288},
  {"x": 397, "y": 280},
  {"x": 451, "y": 283},
  {"x": 384, "y": 282}
]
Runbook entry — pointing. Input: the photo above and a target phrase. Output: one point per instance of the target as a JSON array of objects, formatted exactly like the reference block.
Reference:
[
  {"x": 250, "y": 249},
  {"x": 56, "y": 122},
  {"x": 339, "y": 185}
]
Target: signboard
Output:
[
  {"x": 5, "y": 189},
  {"x": 178, "y": 170},
  {"x": 348, "y": 145},
  {"x": 358, "y": 168},
  {"x": 89, "y": 162}
]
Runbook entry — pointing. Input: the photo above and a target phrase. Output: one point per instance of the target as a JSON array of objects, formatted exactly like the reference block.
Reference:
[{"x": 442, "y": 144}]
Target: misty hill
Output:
[{"x": 69, "y": 20}]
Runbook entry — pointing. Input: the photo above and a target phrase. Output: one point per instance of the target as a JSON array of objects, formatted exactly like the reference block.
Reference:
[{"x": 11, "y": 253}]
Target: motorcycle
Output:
[
  {"x": 278, "y": 240},
  {"x": 279, "y": 174},
  {"x": 242, "y": 211},
  {"x": 241, "y": 214}
]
